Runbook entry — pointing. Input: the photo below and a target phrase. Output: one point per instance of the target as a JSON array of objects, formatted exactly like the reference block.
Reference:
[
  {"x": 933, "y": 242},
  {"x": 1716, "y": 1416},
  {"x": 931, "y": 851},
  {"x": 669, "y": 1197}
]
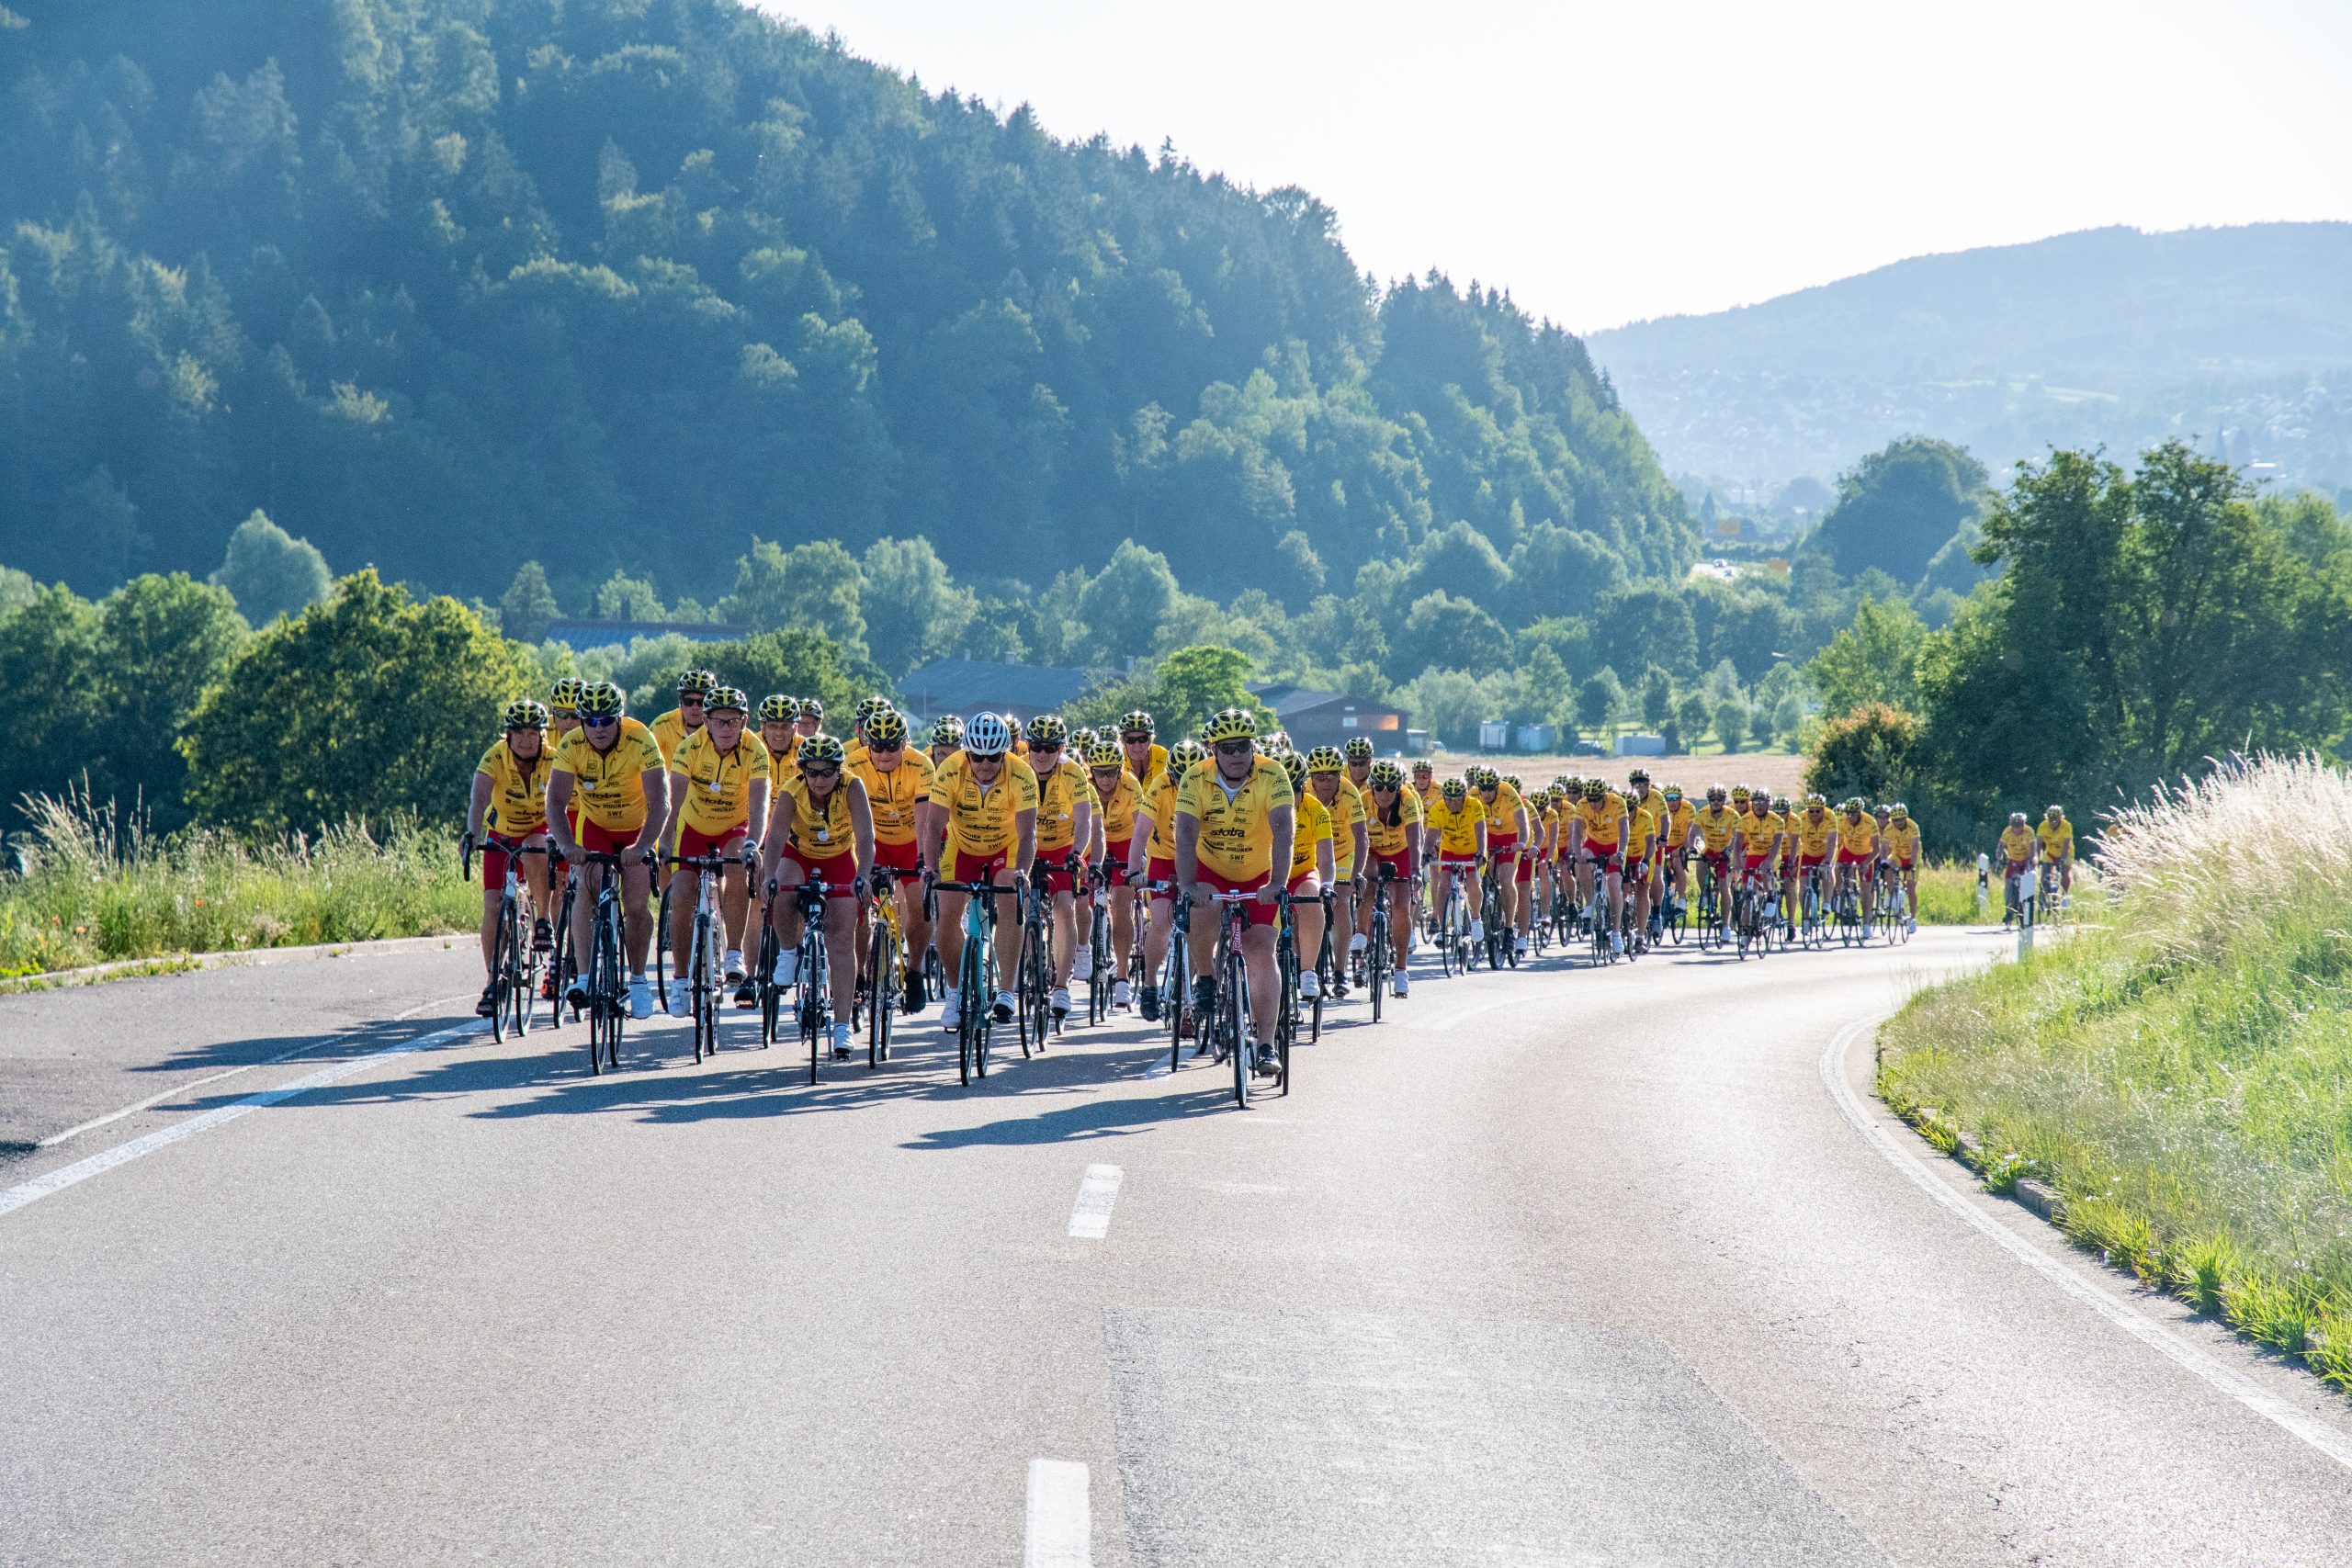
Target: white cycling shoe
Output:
[
  {"x": 951, "y": 1012},
  {"x": 787, "y": 966},
  {"x": 1358, "y": 941},
  {"x": 678, "y": 1001},
  {"x": 1122, "y": 994},
  {"x": 640, "y": 997},
  {"x": 1403, "y": 987},
  {"x": 1081, "y": 965},
  {"x": 1310, "y": 985}
]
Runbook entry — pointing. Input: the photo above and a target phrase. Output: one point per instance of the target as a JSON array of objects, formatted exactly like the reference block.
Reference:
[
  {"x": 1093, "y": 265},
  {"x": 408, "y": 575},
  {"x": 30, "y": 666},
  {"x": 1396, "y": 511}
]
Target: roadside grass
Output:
[
  {"x": 85, "y": 888},
  {"x": 2181, "y": 1071}
]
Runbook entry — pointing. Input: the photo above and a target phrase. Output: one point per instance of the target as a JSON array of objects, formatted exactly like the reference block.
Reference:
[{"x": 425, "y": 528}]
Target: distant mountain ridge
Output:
[{"x": 2242, "y": 336}]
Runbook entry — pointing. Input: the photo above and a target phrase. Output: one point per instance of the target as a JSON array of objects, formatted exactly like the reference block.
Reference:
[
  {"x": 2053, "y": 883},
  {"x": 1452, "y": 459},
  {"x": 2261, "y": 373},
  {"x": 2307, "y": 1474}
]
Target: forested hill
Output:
[
  {"x": 2242, "y": 336},
  {"x": 443, "y": 285}
]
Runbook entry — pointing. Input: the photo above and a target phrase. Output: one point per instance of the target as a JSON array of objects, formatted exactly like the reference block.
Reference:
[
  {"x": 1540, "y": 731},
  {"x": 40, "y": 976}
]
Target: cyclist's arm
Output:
[
  {"x": 1625, "y": 834},
  {"x": 930, "y": 831},
  {"x": 861, "y": 824},
  {"x": 476, "y": 807},
  {"x": 1281, "y": 828},
  {"x": 1025, "y": 838},
  {"x": 656, "y": 784},
  {"x": 1188, "y": 852},
  {"x": 1138, "y": 851},
  {"x": 559, "y": 812},
  {"x": 755, "y": 806},
  {"x": 1082, "y": 829},
  {"x": 1526, "y": 828},
  {"x": 1325, "y": 863},
  {"x": 1479, "y": 828},
  {"x": 779, "y": 834},
  {"x": 681, "y": 789},
  {"x": 1363, "y": 862}
]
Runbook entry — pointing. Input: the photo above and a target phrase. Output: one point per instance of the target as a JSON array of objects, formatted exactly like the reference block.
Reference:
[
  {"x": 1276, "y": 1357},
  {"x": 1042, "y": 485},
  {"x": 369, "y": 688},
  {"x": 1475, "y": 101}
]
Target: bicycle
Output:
[
  {"x": 1453, "y": 938},
  {"x": 1710, "y": 913},
  {"x": 1675, "y": 907},
  {"x": 771, "y": 989},
  {"x": 1033, "y": 987},
  {"x": 1229, "y": 1022},
  {"x": 604, "y": 985},
  {"x": 1846, "y": 911},
  {"x": 703, "y": 979},
  {"x": 1602, "y": 926},
  {"x": 1378, "y": 947},
  {"x": 514, "y": 962},
  {"x": 1101, "y": 971},
  {"x": 884, "y": 982},
  {"x": 1894, "y": 905},
  {"x": 1176, "y": 990},
  {"x": 814, "y": 1008},
  {"x": 975, "y": 994},
  {"x": 1499, "y": 948}
]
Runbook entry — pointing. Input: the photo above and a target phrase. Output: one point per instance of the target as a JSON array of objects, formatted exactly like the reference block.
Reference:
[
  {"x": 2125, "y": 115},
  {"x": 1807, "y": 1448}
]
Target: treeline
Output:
[
  {"x": 2142, "y": 623},
  {"x": 448, "y": 285}
]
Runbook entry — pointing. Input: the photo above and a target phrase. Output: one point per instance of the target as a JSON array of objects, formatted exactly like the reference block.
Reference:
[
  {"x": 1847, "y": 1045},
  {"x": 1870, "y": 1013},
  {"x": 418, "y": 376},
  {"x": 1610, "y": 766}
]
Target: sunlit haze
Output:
[{"x": 1608, "y": 162}]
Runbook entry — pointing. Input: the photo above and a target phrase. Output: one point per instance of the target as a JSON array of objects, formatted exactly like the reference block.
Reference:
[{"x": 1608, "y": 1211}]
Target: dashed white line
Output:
[
  {"x": 1061, "y": 1523},
  {"x": 81, "y": 1171},
  {"x": 2147, "y": 1331},
  {"x": 1090, "y": 1217}
]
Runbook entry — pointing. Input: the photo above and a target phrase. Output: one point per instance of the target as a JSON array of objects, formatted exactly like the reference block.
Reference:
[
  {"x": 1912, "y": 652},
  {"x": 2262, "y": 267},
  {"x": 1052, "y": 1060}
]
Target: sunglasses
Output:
[
  {"x": 820, "y": 770},
  {"x": 601, "y": 722},
  {"x": 689, "y": 700},
  {"x": 1140, "y": 738},
  {"x": 1233, "y": 748},
  {"x": 886, "y": 746},
  {"x": 1044, "y": 745}
]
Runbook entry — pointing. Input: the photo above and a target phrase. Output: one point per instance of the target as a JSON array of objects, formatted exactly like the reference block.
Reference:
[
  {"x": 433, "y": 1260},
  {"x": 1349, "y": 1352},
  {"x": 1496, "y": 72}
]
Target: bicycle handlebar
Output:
[{"x": 466, "y": 848}]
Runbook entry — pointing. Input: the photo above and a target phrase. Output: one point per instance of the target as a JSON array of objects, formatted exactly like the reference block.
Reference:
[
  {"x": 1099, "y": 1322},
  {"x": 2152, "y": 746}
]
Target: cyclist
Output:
[
  {"x": 946, "y": 737},
  {"x": 1453, "y": 835},
  {"x": 1509, "y": 840},
  {"x": 1757, "y": 836},
  {"x": 673, "y": 728},
  {"x": 563, "y": 709},
  {"x": 1713, "y": 828},
  {"x": 1674, "y": 847},
  {"x": 1235, "y": 823},
  {"x": 507, "y": 813},
  {"x": 1065, "y": 828},
  {"x": 897, "y": 780},
  {"x": 820, "y": 831},
  {"x": 2017, "y": 843},
  {"x": 1856, "y": 851},
  {"x": 1608, "y": 830},
  {"x": 778, "y": 734},
  {"x": 1327, "y": 771},
  {"x": 1393, "y": 830},
  {"x": 1644, "y": 809},
  {"x": 1314, "y": 866},
  {"x": 1357, "y": 754},
  {"x": 2057, "y": 836},
  {"x": 1146, "y": 758},
  {"x": 1020, "y": 741},
  {"x": 982, "y": 828},
  {"x": 810, "y": 717},
  {"x": 1152, "y": 858},
  {"x": 612, "y": 766},
  {"x": 853, "y": 748},
  {"x": 1424, "y": 780},
  {"x": 719, "y": 787},
  {"x": 1901, "y": 842},
  {"x": 1814, "y": 834},
  {"x": 1783, "y": 818},
  {"x": 1119, "y": 798}
]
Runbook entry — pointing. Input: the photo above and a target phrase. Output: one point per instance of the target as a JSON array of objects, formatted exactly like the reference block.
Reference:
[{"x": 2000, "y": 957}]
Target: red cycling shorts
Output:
[
  {"x": 906, "y": 857},
  {"x": 1503, "y": 847},
  {"x": 1605, "y": 853},
  {"x": 963, "y": 867},
  {"x": 1400, "y": 863},
  {"x": 1855, "y": 857},
  {"x": 1158, "y": 870},
  {"x": 495, "y": 851},
  {"x": 1447, "y": 857},
  {"x": 1259, "y": 914},
  {"x": 838, "y": 872},
  {"x": 1806, "y": 862},
  {"x": 1297, "y": 885},
  {"x": 694, "y": 841},
  {"x": 599, "y": 839},
  {"x": 1118, "y": 852}
]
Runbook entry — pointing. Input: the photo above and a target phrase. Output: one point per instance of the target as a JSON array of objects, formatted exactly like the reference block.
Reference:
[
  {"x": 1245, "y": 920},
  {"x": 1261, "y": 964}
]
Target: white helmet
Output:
[{"x": 985, "y": 736}]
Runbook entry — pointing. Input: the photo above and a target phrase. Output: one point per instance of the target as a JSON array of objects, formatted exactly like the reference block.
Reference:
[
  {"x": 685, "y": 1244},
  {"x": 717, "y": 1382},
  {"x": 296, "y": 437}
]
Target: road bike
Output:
[
  {"x": 1847, "y": 909},
  {"x": 883, "y": 983},
  {"x": 814, "y": 1007},
  {"x": 1034, "y": 979},
  {"x": 1227, "y": 1024},
  {"x": 1102, "y": 970},
  {"x": 1454, "y": 945},
  {"x": 514, "y": 958},
  {"x": 705, "y": 984},
  {"x": 604, "y": 985},
  {"x": 1176, "y": 971},
  {"x": 1894, "y": 904},
  {"x": 1599, "y": 922},
  {"x": 974, "y": 975},
  {"x": 1378, "y": 948},
  {"x": 1498, "y": 947},
  {"x": 1813, "y": 909},
  {"x": 1710, "y": 910}
]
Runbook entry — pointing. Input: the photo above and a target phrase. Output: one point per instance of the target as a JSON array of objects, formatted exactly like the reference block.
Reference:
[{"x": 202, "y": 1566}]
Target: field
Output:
[
  {"x": 88, "y": 889},
  {"x": 2181, "y": 1068}
]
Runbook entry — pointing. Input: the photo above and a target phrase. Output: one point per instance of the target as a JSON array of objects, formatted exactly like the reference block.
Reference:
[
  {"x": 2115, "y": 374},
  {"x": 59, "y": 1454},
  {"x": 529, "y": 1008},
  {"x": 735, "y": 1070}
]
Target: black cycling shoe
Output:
[
  {"x": 747, "y": 995},
  {"x": 489, "y": 1003},
  {"x": 1268, "y": 1062},
  {"x": 542, "y": 937},
  {"x": 913, "y": 999},
  {"x": 1147, "y": 1002}
]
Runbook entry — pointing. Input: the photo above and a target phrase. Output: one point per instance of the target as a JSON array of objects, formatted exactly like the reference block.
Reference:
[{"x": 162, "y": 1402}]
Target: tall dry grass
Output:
[
  {"x": 87, "y": 884},
  {"x": 2183, "y": 1070}
]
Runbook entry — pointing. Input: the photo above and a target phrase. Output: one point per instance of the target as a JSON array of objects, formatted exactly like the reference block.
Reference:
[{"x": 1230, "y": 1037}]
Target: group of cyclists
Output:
[{"x": 795, "y": 822}]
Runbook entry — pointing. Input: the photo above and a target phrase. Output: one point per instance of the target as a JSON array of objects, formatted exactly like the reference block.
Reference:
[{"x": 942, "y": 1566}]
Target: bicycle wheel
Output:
[
  {"x": 1177, "y": 998},
  {"x": 500, "y": 981},
  {"x": 884, "y": 1008},
  {"x": 972, "y": 1001},
  {"x": 1233, "y": 1022},
  {"x": 1375, "y": 959},
  {"x": 813, "y": 977}
]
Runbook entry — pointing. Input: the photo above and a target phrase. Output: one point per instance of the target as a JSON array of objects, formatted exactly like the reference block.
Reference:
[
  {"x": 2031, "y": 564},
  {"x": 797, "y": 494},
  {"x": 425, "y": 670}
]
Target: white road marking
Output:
[
  {"x": 1090, "y": 1217},
  {"x": 176, "y": 1092},
  {"x": 81, "y": 1171},
  {"x": 2190, "y": 1358},
  {"x": 1061, "y": 1523}
]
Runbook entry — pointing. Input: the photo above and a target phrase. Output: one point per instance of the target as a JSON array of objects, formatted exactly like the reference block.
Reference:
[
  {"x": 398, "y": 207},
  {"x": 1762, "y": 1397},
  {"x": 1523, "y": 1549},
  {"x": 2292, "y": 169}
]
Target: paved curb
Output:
[{"x": 181, "y": 962}]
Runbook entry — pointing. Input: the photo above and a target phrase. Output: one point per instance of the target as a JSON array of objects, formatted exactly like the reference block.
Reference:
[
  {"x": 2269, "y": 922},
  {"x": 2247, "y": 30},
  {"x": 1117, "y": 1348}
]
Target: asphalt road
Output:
[{"x": 1555, "y": 1267}]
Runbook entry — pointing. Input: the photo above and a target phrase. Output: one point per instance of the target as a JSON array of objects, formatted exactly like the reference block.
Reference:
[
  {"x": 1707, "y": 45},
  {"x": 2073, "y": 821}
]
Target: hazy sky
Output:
[{"x": 1609, "y": 162}]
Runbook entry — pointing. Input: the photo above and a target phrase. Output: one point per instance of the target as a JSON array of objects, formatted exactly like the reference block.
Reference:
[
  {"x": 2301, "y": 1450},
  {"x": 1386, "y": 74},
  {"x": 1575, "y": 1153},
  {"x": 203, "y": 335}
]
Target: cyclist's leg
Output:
[
  {"x": 1122, "y": 928},
  {"x": 951, "y": 934},
  {"x": 685, "y": 886},
  {"x": 1009, "y": 934},
  {"x": 637, "y": 907},
  {"x": 1257, "y": 958},
  {"x": 912, "y": 926},
  {"x": 1306, "y": 916},
  {"x": 1065, "y": 929},
  {"x": 734, "y": 898},
  {"x": 494, "y": 898},
  {"x": 841, "y": 949}
]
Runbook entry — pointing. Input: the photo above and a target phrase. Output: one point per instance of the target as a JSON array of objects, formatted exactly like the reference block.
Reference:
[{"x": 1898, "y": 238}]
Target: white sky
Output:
[{"x": 1633, "y": 158}]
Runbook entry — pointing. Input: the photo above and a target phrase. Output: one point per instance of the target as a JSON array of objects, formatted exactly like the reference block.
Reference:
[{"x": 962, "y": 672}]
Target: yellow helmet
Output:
[
  {"x": 1105, "y": 753},
  {"x": 777, "y": 708},
  {"x": 1326, "y": 760},
  {"x": 1229, "y": 723},
  {"x": 1387, "y": 775},
  {"x": 564, "y": 697},
  {"x": 886, "y": 728},
  {"x": 819, "y": 748},
  {"x": 1185, "y": 754},
  {"x": 527, "y": 713}
]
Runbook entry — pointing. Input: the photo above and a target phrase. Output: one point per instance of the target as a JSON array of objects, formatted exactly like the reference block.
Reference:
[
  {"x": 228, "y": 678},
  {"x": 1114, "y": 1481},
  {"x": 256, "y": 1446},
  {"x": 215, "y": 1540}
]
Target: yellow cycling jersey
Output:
[
  {"x": 717, "y": 784},
  {"x": 669, "y": 730},
  {"x": 1757, "y": 830},
  {"x": 610, "y": 785},
  {"x": 895, "y": 796},
  {"x": 1162, "y": 815},
  {"x": 1155, "y": 767},
  {"x": 518, "y": 790},
  {"x": 1115, "y": 812},
  {"x": 1503, "y": 813},
  {"x": 1456, "y": 827},
  {"x": 1902, "y": 840},
  {"x": 1856, "y": 835},
  {"x": 1644, "y": 814},
  {"x": 2057, "y": 842},
  {"x": 2017, "y": 844},
  {"x": 1060, "y": 792},
  {"x": 982, "y": 819},
  {"x": 1812, "y": 833},
  {"x": 1602, "y": 818},
  {"x": 1236, "y": 840},
  {"x": 1314, "y": 826},
  {"x": 1348, "y": 807},
  {"x": 1680, "y": 815},
  {"x": 1386, "y": 837},
  {"x": 820, "y": 831},
  {"x": 1717, "y": 824}
]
